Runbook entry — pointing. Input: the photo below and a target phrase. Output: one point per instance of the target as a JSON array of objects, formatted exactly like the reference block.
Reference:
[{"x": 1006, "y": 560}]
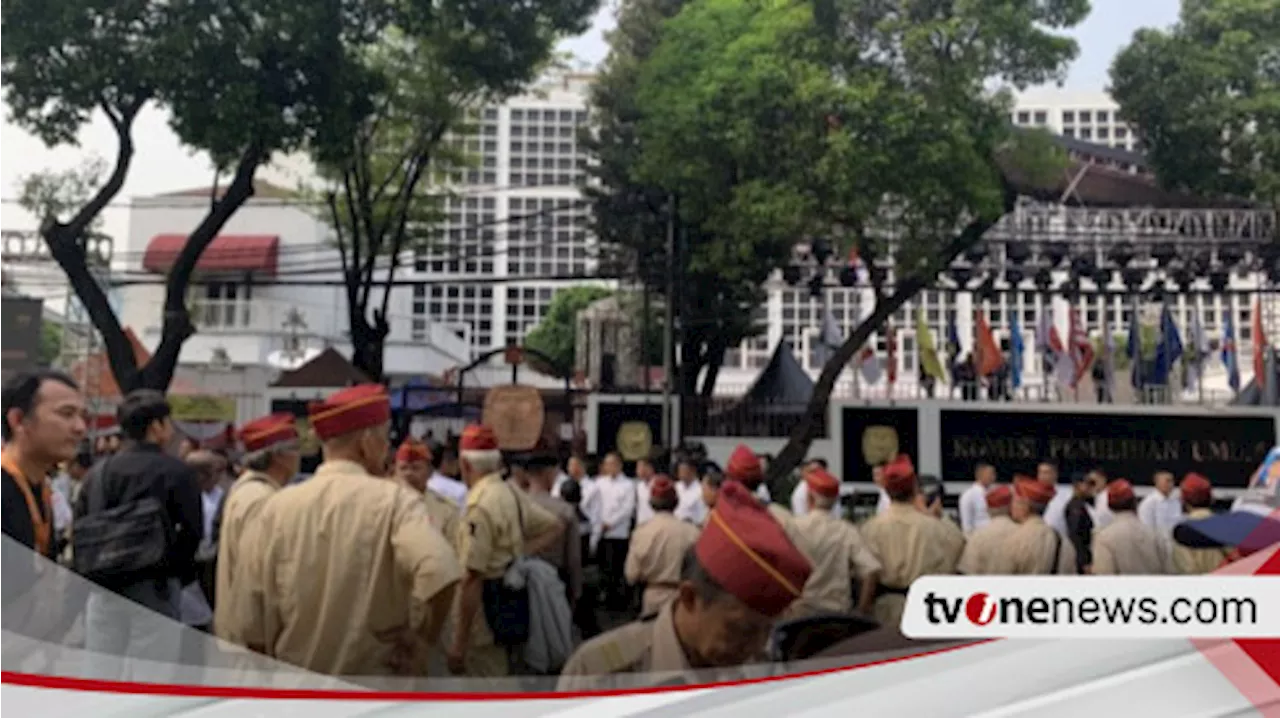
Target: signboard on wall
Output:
[
  {"x": 632, "y": 430},
  {"x": 1227, "y": 449},
  {"x": 874, "y": 435},
  {"x": 21, "y": 318}
]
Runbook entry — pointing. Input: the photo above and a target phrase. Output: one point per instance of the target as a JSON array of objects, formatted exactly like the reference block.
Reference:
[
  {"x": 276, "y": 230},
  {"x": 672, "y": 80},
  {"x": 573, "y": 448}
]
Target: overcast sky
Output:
[{"x": 162, "y": 164}]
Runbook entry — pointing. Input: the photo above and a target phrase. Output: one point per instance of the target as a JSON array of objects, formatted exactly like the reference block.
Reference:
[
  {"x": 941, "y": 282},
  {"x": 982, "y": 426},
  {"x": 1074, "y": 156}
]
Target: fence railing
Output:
[{"x": 720, "y": 416}]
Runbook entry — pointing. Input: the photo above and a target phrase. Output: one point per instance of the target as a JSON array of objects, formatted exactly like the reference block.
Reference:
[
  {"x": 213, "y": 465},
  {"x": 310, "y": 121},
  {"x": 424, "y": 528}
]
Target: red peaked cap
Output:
[
  {"x": 744, "y": 549},
  {"x": 899, "y": 475},
  {"x": 478, "y": 437},
  {"x": 1119, "y": 492},
  {"x": 412, "y": 450},
  {"x": 822, "y": 483},
  {"x": 999, "y": 497},
  {"x": 1196, "y": 489},
  {"x": 661, "y": 487},
  {"x": 268, "y": 431},
  {"x": 1034, "y": 490},
  {"x": 744, "y": 466},
  {"x": 358, "y": 407}
]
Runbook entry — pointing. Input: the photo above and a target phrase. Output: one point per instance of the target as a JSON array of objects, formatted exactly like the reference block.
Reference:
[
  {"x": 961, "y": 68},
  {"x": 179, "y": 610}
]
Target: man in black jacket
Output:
[
  {"x": 115, "y": 626},
  {"x": 1079, "y": 519}
]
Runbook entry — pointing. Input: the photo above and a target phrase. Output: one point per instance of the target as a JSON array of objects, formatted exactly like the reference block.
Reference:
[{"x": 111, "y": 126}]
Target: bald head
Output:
[{"x": 209, "y": 467}]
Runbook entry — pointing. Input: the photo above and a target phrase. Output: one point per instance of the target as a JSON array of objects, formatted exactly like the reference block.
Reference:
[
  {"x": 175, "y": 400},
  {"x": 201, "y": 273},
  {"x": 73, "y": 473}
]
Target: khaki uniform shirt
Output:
[
  {"x": 657, "y": 551},
  {"x": 1196, "y": 561},
  {"x": 337, "y": 561},
  {"x": 1034, "y": 549},
  {"x": 642, "y": 653},
  {"x": 245, "y": 499},
  {"x": 490, "y": 536},
  {"x": 566, "y": 555},
  {"x": 839, "y": 555},
  {"x": 984, "y": 544},
  {"x": 909, "y": 544},
  {"x": 1127, "y": 547}
]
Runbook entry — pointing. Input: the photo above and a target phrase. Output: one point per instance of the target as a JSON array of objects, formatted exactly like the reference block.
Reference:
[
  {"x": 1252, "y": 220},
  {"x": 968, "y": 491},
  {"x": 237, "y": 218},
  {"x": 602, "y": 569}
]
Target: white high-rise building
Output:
[{"x": 1089, "y": 116}]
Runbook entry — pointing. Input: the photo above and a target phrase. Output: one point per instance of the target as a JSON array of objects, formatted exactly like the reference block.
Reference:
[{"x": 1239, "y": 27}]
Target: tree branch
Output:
[
  {"x": 803, "y": 433},
  {"x": 331, "y": 199},
  {"x": 178, "y": 327}
]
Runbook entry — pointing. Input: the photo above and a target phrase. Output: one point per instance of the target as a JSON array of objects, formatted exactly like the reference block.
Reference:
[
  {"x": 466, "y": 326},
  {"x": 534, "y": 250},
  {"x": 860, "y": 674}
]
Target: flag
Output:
[
  {"x": 1134, "y": 347},
  {"x": 1229, "y": 356},
  {"x": 1260, "y": 347},
  {"x": 829, "y": 339},
  {"x": 953, "y": 344},
  {"x": 861, "y": 277},
  {"x": 1080, "y": 348},
  {"x": 869, "y": 365},
  {"x": 987, "y": 358},
  {"x": 1108, "y": 353},
  {"x": 930, "y": 364},
  {"x": 1193, "y": 373},
  {"x": 891, "y": 345},
  {"x": 1168, "y": 349},
  {"x": 1015, "y": 353}
]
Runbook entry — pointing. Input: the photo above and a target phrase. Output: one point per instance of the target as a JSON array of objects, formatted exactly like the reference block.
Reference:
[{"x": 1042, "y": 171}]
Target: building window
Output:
[
  {"x": 1086, "y": 117},
  {"x": 1024, "y": 117},
  {"x": 1068, "y": 116},
  {"x": 222, "y": 304},
  {"x": 1042, "y": 117},
  {"x": 1103, "y": 117}
]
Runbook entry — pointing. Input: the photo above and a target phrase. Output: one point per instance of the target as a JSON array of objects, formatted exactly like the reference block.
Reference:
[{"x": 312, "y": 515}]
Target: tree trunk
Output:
[
  {"x": 178, "y": 327},
  {"x": 715, "y": 357},
  {"x": 368, "y": 342},
  {"x": 803, "y": 434}
]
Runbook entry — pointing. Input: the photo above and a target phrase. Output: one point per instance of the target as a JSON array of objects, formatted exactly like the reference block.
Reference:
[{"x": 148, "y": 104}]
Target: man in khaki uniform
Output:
[
  {"x": 988, "y": 541},
  {"x": 745, "y": 467},
  {"x": 842, "y": 557},
  {"x": 1197, "y": 497},
  {"x": 345, "y": 573},
  {"x": 535, "y": 472},
  {"x": 500, "y": 523},
  {"x": 658, "y": 547},
  {"x": 742, "y": 574},
  {"x": 272, "y": 459},
  {"x": 1035, "y": 548},
  {"x": 909, "y": 540},
  {"x": 413, "y": 470},
  {"x": 1126, "y": 546}
]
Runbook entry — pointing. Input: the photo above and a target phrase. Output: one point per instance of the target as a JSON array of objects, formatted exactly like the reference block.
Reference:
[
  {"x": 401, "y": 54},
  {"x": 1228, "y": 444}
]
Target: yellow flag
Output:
[{"x": 929, "y": 362}]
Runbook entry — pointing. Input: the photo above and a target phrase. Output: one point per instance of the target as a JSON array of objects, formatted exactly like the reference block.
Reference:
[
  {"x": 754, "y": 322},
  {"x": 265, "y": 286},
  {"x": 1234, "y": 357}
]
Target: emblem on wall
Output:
[
  {"x": 879, "y": 444},
  {"x": 635, "y": 440},
  {"x": 516, "y": 415}
]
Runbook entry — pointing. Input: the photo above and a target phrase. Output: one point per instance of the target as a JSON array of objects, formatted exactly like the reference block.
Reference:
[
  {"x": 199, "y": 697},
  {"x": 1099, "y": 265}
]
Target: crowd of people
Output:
[{"x": 467, "y": 560}]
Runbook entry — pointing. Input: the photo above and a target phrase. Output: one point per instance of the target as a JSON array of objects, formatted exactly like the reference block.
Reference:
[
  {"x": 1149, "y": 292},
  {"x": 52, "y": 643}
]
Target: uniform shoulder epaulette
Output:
[{"x": 624, "y": 649}]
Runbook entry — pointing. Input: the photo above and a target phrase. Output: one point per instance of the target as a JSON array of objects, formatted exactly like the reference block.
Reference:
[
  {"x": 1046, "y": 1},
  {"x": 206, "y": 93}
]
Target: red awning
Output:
[{"x": 227, "y": 253}]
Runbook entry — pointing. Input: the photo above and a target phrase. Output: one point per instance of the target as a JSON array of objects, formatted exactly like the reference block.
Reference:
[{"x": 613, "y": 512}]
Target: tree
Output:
[
  {"x": 237, "y": 82},
  {"x": 631, "y": 216},
  {"x": 466, "y": 54},
  {"x": 1204, "y": 96},
  {"x": 50, "y": 342},
  {"x": 873, "y": 125},
  {"x": 556, "y": 335}
]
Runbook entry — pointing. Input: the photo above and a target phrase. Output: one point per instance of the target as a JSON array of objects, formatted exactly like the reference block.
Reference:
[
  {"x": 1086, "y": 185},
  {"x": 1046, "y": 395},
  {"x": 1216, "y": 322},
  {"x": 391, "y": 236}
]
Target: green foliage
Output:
[
  {"x": 61, "y": 194},
  {"x": 1205, "y": 97},
  {"x": 556, "y": 334},
  {"x": 50, "y": 343}
]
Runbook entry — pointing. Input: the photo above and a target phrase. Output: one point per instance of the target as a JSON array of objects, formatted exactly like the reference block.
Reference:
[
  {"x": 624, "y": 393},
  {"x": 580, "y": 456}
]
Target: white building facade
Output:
[{"x": 267, "y": 295}]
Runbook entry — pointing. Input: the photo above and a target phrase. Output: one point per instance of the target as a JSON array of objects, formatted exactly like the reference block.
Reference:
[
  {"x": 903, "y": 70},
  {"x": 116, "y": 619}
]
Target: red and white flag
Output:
[
  {"x": 1260, "y": 347},
  {"x": 1080, "y": 348},
  {"x": 869, "y": 365},
  {"x": 891, "y": 344}
]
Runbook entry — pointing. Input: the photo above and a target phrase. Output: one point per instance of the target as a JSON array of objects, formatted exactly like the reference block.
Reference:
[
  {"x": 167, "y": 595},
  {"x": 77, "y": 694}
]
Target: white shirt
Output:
[
  {"x": 617, "y": 505},
  {"x": 560, "y": 479},
  {"x": 644, "y": 511},
  {"x": 1102, "y": 515},
  {"x": 1161, "y": 512},
  {"x": 973, "y": 508},
  {"x": 691, "y": 507},
  {"x": 62, "y": 514},
  {"x": 1056, "y": 514},
  {"x": 883, "y": 504},
  {"x": 800, "y": 501},
  {"x": 451, "y": 489},
  {"x": 211, "y": 500}
]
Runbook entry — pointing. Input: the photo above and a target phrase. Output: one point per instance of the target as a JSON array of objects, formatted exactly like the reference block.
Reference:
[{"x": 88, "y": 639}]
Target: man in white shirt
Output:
[
  {"x": 617, "y": 510},
  {"x": 690, "y": 506},
  {"x": 644, "y": 474},
  {"x": 973, "y": 502},
  {"x": 877, "y": 477},
  {"x": 1056, "y": 513},
  {"x": 800, "y": 496},
  {"x": 443, "y": 465},
  {"x": 1162, "y": 509}
]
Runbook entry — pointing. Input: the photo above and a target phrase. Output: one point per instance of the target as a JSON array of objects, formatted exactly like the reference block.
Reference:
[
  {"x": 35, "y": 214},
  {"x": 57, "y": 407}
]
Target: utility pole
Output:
[{"x": 668, "y": 330}]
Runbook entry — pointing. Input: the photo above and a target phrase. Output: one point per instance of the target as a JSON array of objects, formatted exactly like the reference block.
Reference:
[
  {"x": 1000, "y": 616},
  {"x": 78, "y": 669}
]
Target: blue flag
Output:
[
  {"x": 1229, "y": 356},
  {"x": 1168, "y": 349},
  {"x": 1015, "y": 352},
  {"x": 953, "y": 343},
  {"x": 1134, "y": 347}
]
